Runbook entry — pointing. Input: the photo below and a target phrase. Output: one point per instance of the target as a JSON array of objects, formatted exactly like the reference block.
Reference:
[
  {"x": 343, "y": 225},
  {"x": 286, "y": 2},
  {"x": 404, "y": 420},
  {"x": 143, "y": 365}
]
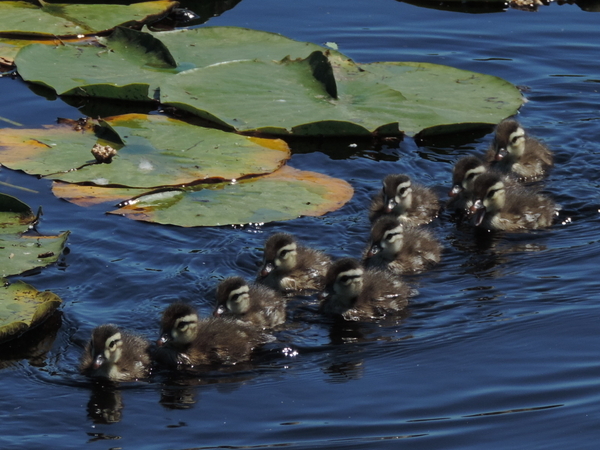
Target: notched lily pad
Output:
[
  {"x": 55, "y": 19},
  {"x": 22, "y": 252},
  {"x": 22, "y": 307},
  {"x": 153, "y": 151},
  {"x": 282, "y": 195},
  {"x": 251, "y": 81}
]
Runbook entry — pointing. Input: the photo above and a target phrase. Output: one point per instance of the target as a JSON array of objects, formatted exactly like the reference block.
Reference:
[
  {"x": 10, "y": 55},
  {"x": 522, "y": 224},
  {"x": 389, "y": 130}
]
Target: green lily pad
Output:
[
  {"x": 155, "y": 151},
  {"x": 282, "y": 195},
  {"x": 20, "y": 252},
  {"x": 23, "y": 307},
  {"x": 252, "y": 81},
  {"x": 55, "y": 19}
]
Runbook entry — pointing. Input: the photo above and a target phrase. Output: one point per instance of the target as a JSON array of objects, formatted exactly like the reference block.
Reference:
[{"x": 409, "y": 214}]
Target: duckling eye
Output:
[
  {"x": 470, "y": 176},
  {"x": 344, "y": 279},
  {"x": 282, "y": 253},
  {"x": 182, "y": 325},
  {"x": 515, "y": 139},
  {"x": 112, "y": 344},
  {"x": 491, "y": 193}
]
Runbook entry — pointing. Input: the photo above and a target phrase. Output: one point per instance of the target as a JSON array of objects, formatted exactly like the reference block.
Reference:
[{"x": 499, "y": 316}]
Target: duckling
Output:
[
  {"x": 115, "y": 354},
  {"x": 465, "y": 171},
  {"x": 412, "y": 203},
  {"x": 401, "y": 249},
  {"x": 511, "y": 208},
  {"x": 356, "y": 294},
  {"x": 186, "y": 340},
  {"x": 290, "y": 267},
  {"x": 513, "y": 151},
  {"x": 252, "y": 303}
]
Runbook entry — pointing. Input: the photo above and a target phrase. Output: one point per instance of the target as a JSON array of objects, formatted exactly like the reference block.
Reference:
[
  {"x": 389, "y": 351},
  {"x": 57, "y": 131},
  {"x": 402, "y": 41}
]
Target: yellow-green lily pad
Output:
[
  {"x": 152, "y": 151},
  {"x": 255, "y": 82},
  {"x": 56, "y": 19},
  {"x": 283, "y": 195},
  {"x": 23, "y": 307}
]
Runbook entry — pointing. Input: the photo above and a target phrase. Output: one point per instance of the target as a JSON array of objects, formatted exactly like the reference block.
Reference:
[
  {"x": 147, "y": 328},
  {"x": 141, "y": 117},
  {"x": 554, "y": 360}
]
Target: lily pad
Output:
[
  {"x": 252, "y": 81},
  {"x": 155, "y": 151},
  {"x": 21, "y": 252},
  {"x": 55, "y": 19},
  {"x": 282, "y": 195},
  {"x": 23, "y": 307}
]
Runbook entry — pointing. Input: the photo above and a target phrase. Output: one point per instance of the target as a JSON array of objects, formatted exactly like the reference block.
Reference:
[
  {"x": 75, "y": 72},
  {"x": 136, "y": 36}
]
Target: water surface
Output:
[{"x": 499, "y": 349}]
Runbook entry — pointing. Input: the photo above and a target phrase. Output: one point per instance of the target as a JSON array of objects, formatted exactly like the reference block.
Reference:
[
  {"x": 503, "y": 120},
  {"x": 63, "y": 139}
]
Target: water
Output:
[{"x": 498, "y": 350}]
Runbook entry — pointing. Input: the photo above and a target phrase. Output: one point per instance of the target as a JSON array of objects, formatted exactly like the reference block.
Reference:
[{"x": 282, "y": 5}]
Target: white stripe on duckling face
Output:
[
  {"x": 392, "y": 240},
  {"x": 238, "y": 300},
  {"x": 185, "y": 328},
  {"x": 470, "y": 176},
  {"x": 112, "y": 348},
  {"x": 286, "y": 257},
  {"x": 516, "y": 142},
  {"x": 495, "y": 197}
]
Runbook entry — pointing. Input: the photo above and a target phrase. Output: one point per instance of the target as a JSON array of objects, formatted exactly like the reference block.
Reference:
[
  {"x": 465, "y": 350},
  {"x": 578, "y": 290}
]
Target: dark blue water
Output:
[{"x": 499, "y": 350}]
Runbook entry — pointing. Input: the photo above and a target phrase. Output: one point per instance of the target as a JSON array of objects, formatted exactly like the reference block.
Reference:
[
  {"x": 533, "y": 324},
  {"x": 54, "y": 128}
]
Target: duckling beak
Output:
[
  {"x": 456, "y": 189},
  {"x": 98, "y": 361},
  {"x": 163, "y": 339},
  {"x": 219, "y": 310},
  {"x": 478, "y": 211},
  {"x": 375, "y": 248},
  {"x": 266, "y": 270},
  {"x": 390, "y": 205},
  {"x": 501, "y": 154}
]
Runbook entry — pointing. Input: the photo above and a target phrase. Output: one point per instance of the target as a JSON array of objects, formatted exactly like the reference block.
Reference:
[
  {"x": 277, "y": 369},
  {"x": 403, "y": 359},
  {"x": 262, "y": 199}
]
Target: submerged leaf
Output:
[
  {"x": 282, "y": 195},
  {"x": 23, "y": 307},
  {"x": 20, "y": 253}
]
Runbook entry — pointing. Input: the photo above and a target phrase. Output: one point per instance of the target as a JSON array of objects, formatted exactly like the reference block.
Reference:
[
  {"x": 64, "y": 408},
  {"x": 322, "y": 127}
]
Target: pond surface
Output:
[{"x": 498, "y": 350}]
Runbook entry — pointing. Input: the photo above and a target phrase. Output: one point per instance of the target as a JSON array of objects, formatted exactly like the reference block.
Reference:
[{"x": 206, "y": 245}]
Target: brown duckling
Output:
[
  {"x": 401, "y": 249},
  {"x": 116, "y": 355},
  {"x": 356, "y": 293},
  {"x": 504, "y": 207},
  {"x": 410, "y": 202},
  {"x": 465, "y": 171},
  {"x": 253, "y": 303},
  {"x": 513, "y": 151},
  {"x": 187, "y": 340},
  {"x": 290, "y": 267}
]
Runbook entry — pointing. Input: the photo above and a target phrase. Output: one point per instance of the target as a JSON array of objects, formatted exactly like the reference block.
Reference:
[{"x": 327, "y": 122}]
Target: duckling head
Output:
[
  {"x": 107, "y": 346},
  {"x": 344, "y": 281},
  {"x": 233, "y": 295},
  {"x": 280, "y": 254},
  {"x": 465, "y": 171},
  {"x": 490, "y": 196},
  {"x": 397, "y": 193},
  {"x": 387, "y": 238},
  {"x": 509, "y": 140},
  {"x": 179, "y": 325}
]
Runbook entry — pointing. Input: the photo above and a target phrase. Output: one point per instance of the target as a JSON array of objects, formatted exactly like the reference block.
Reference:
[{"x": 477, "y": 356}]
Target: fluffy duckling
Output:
[
  {"x": 115, "y": 354},
  {"x": 290, "y": 267},
  {"x": 412, "y": 203},
  {"x": 356, "y": 293},
  {"x": 465, "y": 171},
  {"x": 401, "y": 249},
  {"x": 186, "y": 340},
  {"x": 503, "y": 207},
  {"x": 513, "y": 151},
  {"x": 253, "y": 303}
]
